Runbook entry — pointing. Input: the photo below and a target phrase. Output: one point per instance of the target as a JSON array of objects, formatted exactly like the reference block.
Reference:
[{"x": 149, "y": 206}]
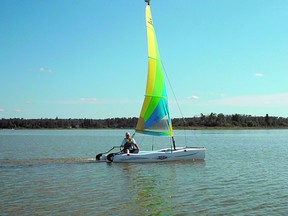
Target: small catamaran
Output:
[{"x": 154, "y": 117}]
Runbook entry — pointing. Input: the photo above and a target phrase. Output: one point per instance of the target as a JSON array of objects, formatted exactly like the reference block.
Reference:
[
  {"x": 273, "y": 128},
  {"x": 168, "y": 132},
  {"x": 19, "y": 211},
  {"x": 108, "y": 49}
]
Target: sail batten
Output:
[
  {"x": 152, "y": 58},
  {"x": 159, "y": 96},
  {"x": 154, "y": 117}
]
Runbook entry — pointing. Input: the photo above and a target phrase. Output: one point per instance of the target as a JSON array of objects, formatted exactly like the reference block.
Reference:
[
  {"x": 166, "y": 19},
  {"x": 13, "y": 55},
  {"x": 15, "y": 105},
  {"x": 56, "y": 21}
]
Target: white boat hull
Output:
[{"x": 181, "y": 153}]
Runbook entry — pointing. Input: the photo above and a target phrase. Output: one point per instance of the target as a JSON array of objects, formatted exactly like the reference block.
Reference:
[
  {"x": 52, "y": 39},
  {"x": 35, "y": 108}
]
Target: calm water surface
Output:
[{"x": 53, "y": 172}]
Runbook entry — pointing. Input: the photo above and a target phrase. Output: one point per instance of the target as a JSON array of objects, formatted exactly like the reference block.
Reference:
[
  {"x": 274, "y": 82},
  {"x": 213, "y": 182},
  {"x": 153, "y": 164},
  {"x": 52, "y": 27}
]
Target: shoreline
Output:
[{"x": 175, "y": 128}]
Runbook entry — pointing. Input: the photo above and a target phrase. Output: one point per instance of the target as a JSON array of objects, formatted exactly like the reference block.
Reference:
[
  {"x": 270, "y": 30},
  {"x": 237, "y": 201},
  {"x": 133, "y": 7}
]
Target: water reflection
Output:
[{"x": 152, "y": 187}]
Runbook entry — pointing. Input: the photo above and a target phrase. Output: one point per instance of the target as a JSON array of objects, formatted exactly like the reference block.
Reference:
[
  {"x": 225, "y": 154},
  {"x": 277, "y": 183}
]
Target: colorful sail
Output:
[{"x": 154, "y": 117}]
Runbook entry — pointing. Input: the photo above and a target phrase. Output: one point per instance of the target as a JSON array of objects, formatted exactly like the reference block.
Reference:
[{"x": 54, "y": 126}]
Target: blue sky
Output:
[{"x": 88, "y": 59}]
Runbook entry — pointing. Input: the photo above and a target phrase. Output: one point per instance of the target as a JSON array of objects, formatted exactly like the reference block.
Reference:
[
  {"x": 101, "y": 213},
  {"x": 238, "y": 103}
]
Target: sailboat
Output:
[{"x": 155, "y": 118}]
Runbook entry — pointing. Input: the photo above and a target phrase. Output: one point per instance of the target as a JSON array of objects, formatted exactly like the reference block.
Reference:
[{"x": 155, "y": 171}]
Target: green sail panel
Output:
[{"x": 154, "y": 117}]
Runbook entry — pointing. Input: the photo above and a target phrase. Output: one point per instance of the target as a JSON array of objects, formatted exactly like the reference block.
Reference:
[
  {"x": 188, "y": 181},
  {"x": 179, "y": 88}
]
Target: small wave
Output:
[{"x": 10, "y": 163}]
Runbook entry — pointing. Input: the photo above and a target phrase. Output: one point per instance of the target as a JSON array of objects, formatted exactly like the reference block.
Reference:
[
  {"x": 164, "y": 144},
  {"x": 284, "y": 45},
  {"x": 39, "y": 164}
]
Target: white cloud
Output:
[
  {"x": 18, "y": 110},
  {"x": 45, "y": 70},
  {"x": 88, "y": 100},
  {"x": 259, "y": 74},
  {"x": 2, "y": 110},
  {"x": 274, "y": 104},
  {"x": 194, "y": 97},
  {"x": 272, "y": 100}
]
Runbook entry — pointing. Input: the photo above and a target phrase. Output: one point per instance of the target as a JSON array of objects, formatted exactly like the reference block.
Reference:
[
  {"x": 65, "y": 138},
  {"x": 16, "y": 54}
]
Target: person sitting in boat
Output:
[{"x": 129, "y": 144}]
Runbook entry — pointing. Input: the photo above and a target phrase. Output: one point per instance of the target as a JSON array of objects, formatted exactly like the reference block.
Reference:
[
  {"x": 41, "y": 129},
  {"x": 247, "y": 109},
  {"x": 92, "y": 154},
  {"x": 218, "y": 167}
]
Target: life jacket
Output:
[
  {"x": 128, "y": 144},
  {"x": 129, "y": 140}
]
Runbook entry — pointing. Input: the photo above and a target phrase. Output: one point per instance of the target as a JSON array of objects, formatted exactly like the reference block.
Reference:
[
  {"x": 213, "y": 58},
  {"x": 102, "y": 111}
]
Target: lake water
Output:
[{"x": 53, "y": 172}]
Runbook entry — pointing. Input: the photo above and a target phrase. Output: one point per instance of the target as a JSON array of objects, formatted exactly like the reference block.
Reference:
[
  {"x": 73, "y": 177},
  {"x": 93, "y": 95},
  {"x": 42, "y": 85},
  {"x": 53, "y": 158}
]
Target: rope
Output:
[{"x": 174, "y": 95}]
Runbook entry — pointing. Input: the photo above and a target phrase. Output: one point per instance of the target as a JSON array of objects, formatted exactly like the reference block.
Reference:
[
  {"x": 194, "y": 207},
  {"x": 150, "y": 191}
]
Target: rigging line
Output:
[
  {"x": 141, "y": 140},
  {"x": 173, "y": 92},
  {"x": 174, "y": 95}
]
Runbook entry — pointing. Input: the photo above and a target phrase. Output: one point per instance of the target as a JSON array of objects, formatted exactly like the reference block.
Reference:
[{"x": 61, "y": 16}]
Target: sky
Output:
[{"x": 88, "y": 59}]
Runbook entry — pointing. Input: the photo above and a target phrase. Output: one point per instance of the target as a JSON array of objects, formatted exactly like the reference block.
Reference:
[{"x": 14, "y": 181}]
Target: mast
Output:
[
  {"x": 173, "y": 141},
  {"x": 148, "y": 1}
]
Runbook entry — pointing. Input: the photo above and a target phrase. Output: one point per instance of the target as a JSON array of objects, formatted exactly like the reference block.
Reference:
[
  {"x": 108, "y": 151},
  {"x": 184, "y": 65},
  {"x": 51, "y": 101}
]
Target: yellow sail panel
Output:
[{"x": 151, "y": 76}]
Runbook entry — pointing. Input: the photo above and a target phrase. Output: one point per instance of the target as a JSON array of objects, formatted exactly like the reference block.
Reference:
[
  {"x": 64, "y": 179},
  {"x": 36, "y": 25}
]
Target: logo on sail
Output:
[{"x": 150, "y": 21}]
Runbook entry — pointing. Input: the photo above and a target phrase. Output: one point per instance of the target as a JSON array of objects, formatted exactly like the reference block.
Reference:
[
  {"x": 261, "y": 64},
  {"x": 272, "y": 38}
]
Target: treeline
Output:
[
  {"x": 232, "y": 121},
  {"x": 212, "y": 120},
  {"x": 57, "y": 123}
]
